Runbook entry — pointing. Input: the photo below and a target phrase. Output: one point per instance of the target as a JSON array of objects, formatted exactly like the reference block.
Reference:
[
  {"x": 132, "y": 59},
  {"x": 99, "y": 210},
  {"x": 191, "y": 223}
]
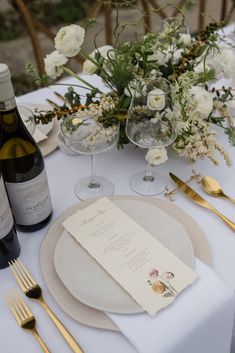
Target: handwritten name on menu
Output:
[{"x": 147, "y": 270}]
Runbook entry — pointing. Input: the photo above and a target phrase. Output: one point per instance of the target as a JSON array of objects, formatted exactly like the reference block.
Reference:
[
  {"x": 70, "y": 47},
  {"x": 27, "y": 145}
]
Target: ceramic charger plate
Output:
[
  {"x": 88, "y": 282},
  {"x": 73, "y": 307}
]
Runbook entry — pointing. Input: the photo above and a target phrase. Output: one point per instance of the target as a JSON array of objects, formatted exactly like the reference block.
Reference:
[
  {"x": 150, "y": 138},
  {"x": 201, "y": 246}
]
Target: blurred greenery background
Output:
[
  {"x": 16, "y": 47},
  {"x": 50, "y": 12}
]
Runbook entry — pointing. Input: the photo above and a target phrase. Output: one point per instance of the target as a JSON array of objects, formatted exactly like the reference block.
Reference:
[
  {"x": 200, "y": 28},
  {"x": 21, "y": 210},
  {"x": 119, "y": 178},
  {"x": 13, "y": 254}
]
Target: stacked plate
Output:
[
  {"x": 83, "y": 288},
  {"x": 45, "y": 134}
]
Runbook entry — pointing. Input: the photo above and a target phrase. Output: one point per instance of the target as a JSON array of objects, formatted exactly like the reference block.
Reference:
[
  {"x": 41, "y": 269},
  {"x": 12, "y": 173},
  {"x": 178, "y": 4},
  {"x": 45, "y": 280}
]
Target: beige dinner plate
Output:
[
  {"x": 73, "y": 307},
  {"x": 91, "y": 284}
]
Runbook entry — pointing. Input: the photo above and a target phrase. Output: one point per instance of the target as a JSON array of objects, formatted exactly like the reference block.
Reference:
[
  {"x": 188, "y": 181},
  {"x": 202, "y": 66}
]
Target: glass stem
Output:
[
  {"x": 93, "y": 182},
  {"x": 148, "y": 176}
]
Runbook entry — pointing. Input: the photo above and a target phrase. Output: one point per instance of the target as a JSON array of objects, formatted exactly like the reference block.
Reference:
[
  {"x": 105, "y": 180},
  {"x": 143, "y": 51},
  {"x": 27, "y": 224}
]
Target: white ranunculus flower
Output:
[
  {"x": 185, "y": 39},
  {"x": 69, "y": 40},
  {"x": 156, "y": 99},
  {"x": 156, "y": 156},
  {"x": 136, "y": 87},
  {"x": 203, "y": 100},
  {"x": 105, "y": 51},
  {"x": 53, "y": 63},
  {"x": 227, "y": 62}
]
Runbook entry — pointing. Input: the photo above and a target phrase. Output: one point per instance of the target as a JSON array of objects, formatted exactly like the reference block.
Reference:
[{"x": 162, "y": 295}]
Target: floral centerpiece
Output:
[{"x": 191, "y": 63}]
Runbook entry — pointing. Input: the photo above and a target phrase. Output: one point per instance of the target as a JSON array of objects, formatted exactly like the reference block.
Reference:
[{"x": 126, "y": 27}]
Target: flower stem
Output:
[{"x": 71, "y": 73}]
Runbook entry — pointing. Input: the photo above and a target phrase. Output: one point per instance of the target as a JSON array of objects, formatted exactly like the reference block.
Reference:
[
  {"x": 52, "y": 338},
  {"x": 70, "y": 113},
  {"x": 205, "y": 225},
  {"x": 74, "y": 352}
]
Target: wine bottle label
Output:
[
  {"x": 6, "y": 219},
  {"x": 30, "y": 200},
  {"x": 8, "y": 104}
]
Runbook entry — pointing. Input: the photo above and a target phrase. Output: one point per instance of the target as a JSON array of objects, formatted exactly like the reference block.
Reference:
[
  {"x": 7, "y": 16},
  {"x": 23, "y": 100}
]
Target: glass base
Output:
[
  {"x": 147, "y": 186},
  {"x": 84, "y": 189}
]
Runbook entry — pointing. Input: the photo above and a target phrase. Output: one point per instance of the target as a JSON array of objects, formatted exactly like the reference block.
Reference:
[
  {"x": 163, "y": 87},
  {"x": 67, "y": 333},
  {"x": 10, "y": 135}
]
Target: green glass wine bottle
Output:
[
  {"x": 21, "y": 163},
  {"x": 9, "y": 244}
]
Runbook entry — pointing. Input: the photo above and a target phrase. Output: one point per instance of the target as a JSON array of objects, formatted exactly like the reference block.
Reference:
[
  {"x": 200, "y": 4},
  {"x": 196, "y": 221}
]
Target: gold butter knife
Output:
[{"x": 193, "y": 195}]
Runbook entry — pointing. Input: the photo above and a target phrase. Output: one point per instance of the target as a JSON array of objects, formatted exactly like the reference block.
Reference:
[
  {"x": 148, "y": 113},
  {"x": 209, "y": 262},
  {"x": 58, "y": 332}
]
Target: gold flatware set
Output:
[
  {"x": 212, "y": 187},
  {"x": 24, "y": 317},
  {"x": 33, "y": 291}
]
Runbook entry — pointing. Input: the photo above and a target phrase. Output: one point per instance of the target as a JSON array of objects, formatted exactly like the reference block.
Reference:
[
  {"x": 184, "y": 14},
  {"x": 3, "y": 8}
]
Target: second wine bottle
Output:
[{"x": 22, "y": 164}]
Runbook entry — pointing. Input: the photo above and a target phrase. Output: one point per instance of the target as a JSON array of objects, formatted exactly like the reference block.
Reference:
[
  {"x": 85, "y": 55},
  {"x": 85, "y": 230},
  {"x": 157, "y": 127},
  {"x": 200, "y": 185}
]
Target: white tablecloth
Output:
[{"x": 204, "y": 328}]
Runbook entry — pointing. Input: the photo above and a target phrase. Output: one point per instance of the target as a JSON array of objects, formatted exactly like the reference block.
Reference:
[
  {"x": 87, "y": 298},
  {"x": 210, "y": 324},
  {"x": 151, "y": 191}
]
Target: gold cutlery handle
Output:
[
  {"x": 40, "y": 341},
  {"x": 64, "y": 332},
  {"x": 225, "y": 219},
  {"x": 230, "y": 199}
]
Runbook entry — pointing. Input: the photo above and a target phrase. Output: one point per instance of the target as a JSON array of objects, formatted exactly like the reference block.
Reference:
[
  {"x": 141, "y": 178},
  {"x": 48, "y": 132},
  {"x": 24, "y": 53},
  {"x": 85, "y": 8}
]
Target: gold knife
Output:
[{"x": 193, "y": 195}]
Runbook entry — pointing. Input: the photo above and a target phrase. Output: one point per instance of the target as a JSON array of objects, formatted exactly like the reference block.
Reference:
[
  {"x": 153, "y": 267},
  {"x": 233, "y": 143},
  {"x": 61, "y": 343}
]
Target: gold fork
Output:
[
  {"x": 24, "y": 317},
  {"x": 32, "y": 290}
]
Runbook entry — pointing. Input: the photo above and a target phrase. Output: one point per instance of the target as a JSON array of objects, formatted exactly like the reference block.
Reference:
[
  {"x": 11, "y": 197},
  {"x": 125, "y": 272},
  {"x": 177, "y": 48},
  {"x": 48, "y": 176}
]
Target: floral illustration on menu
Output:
[{"x": 160, "y": 283}]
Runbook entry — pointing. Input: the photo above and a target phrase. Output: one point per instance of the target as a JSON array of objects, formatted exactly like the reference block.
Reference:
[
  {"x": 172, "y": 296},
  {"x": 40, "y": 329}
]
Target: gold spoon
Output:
[{"x": 213, "y": 188}]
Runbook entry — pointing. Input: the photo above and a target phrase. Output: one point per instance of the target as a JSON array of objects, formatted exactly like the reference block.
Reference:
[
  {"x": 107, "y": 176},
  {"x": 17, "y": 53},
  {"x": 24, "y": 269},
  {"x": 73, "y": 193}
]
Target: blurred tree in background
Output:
[{"x": 50, "y": 12}]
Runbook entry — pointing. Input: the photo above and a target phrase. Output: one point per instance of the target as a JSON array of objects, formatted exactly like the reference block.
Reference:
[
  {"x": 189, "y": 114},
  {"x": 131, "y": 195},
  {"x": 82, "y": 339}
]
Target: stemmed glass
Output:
[
  {"x": 150, "y": 125},
  {"x": 86, "y": 136}
]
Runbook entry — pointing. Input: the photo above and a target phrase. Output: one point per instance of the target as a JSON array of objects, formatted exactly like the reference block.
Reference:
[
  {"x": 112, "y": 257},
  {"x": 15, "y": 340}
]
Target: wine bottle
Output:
[
  {"x": 9, "y": 244},
  {"x": 21, "y": 163}
]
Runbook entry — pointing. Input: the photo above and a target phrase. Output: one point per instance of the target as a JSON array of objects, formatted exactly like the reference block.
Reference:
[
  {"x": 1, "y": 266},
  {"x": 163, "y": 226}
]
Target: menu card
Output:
[{"x": 146, "y": 269}]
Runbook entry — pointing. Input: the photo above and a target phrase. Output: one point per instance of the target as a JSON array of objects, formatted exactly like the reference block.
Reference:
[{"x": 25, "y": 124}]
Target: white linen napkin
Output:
[
  {"x": 190, "y": 324},
  {"x": 39, "y": 135}
]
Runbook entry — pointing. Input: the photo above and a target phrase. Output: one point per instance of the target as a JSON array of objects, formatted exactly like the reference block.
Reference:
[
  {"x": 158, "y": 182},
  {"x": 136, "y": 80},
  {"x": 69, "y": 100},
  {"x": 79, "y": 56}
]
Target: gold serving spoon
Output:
[{"x": 213, "y": 188}]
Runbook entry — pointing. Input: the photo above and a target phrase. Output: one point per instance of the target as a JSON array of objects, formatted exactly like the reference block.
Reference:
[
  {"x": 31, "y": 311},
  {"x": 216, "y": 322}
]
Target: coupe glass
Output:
[
  {"x": 88, "y": 137},
  {"x": 150, "y": 125}
]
